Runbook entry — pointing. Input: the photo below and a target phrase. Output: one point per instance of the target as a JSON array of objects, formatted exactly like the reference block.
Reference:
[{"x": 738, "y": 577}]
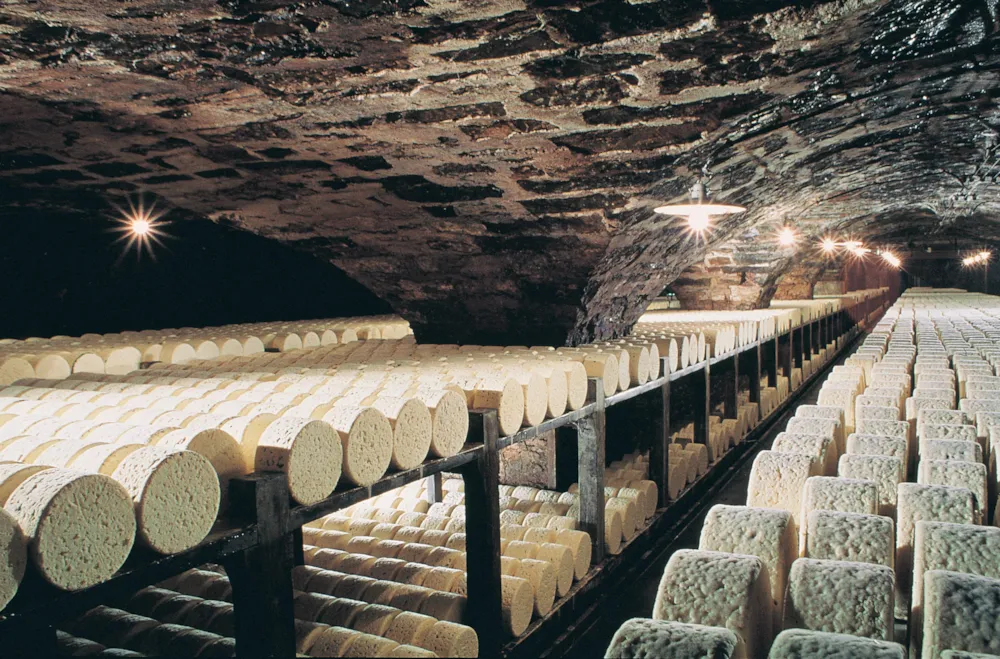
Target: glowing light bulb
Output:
[
  {"x": 891, "y": 259},
  {"x": 699, "y": 222},
  {"x": 141, "y": 226},
  {"x": 984, "y": 256},
  {"x": 787, "y": 236},
  {"x": 828, "y": 245}
]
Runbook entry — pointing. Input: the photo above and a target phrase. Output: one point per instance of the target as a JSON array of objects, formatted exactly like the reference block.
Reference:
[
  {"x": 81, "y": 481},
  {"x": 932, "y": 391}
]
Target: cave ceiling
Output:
[{"x": 489, "y": 168}]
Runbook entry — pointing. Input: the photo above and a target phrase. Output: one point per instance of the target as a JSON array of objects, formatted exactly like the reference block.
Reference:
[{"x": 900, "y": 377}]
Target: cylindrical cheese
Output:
[
  {"x": 176, "y": 495},
  {"x": 366, "y": 438},
  {"x": 71, "y": 549},
  {"x": 308, "y": 451}
]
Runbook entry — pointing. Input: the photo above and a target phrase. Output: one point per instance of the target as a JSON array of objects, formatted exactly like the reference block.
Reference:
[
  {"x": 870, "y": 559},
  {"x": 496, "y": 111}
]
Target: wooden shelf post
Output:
[
  {"x": 482, "y": 537},
  {"x": 701, "y": 400},
  {"x": 261, "y": 576},
  {"x": 659, "y": 453},
  {"x": 731, "y": 386}
]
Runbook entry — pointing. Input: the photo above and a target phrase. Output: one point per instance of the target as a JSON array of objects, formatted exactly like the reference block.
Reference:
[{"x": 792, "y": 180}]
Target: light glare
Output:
[
  {"x": 699, "y": 222},
  {"x": 140, "y": 227},
  {"x": 891, "y": 259},
  {"x": 787, "y": 237},
  {"x": 976, "y": 259},
  {"x": 829, "y": 245}
]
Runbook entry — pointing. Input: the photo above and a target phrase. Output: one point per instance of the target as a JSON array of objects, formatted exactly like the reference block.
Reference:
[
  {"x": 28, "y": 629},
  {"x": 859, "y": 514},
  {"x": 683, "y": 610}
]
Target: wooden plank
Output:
[
  {"x": 730, "y": 383},
  {"x": 590, "y": 449},
  {"x": 754, "y": 371},
  {"x": 261, "y": 576},
  {"x": 659, "y": 453},
  {"x": 482, "y": 536},
  {"x": 700, "y": 399},
  {"x": 785, "y": 356}
]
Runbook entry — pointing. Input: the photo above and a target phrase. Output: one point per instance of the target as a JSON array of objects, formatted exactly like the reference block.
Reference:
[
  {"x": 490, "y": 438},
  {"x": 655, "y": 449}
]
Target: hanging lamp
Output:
[{"x": 700, "y": 211}]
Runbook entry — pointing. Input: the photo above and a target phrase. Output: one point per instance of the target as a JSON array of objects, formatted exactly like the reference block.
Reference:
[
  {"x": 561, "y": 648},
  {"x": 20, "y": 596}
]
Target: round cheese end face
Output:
[
  {"x": 510, "y": 411},
  {"x": 176, "y": 495},
  {"x": 536, "y": 400},
  {"x": 449, "y": 639},
  {"x": 518, "y": 603},
  {"x": 14, "y": 550},
  {"x": 13, "y": 369},
  {"x": 412, "y": 435},
  {"x": 576, "y": 385},
  {"x": 367, "y": 447},
  {"x": 451, "y": 424},
  {"x": 309, "y": 451},
  {"x": 80, "y": 527}
]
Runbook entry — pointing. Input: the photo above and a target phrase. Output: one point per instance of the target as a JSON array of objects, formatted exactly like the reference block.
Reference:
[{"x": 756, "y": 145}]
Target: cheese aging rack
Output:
[{"x": 259, "y": 542}]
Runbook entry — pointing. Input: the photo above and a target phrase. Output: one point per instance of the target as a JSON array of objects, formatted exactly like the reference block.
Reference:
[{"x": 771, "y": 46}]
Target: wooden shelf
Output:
[{"x": 260, "y": 540}]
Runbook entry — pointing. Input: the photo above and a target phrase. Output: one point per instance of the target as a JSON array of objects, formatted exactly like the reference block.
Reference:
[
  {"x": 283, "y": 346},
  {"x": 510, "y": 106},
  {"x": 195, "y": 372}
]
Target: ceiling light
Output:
[
  {"x": 140, "y": 226},
  {"x": 787, "y": 236},
  {"x": 828, "y": 245},
  {"x": 976, "y": 259},
  {"x": 891, "y": 259},
  {"x": 699, "y": 213}
]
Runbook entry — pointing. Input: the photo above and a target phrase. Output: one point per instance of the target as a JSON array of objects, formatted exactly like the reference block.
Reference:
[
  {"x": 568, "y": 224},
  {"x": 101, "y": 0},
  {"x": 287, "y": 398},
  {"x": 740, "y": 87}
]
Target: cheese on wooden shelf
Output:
[
  {"x": 69, "y": 549},
  {"x": 176, "y": 496}
]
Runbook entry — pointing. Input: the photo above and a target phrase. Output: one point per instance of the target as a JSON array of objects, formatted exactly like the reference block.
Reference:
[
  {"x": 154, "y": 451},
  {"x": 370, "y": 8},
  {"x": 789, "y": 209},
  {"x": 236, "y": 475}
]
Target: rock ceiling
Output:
[{"x": 489, "y": 167}]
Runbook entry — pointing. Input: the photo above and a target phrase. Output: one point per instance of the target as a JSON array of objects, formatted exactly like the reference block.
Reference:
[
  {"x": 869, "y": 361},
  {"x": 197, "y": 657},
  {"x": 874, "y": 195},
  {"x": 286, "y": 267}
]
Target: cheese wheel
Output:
[
  {"x": 561, "y": 559},
  {"x": 217, "y": 446},
  {"x": 367, "y": 441},
  {"x": 863, "y": 591},
  {"x": 14, "y": 368},
  {"x": 847, "y": 495},
  {"x": 720, "y": 590},
  {"x": 850, "y": 537},
  {"x": 628, "y": 512},
  {"x": 576, "y": 383},
  {"x": 613, "y": 530},
  {"x": 886, "y": 472},
  {"x": 308, "y": 451},
  {"x": 505, "y": 396},
  {"x": 410, "y": 628},
  {"x": 349, "y": 586},
  {"x": 536, "y": 397},
  {"x": 517, "y": 598},
  {"x": 543, "y": 581},
  {"x": 762, "y": 532},
  {"x": 444, "y": 606},
  {"x": 777, "y": 481},
  {"x": 449, "y": 420},
  {"x": 955, "y": 547},
  {"x": 970, "y": 475},
  {"x": 412, "y": 429},
  {"x": 368, "y": 645},
  {"x": 796, "y": 643},
  {"x": 73, "y": 551},
  {"x": 932, "y": 503},
  {"x": 374, "y": 619},
  {"x": 13, "y": 557},
  {"x": 176, "y": 496},
  {"x": 410, "y": 651},
  {"x": 448, "y": 639},
  {"x": 306, "y": 634},
  {"x": 410, "y": 598}
]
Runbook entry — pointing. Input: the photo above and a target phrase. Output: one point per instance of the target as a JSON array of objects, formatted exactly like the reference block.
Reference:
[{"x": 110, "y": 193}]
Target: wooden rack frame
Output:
[{"x": 260, "y": 541}]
